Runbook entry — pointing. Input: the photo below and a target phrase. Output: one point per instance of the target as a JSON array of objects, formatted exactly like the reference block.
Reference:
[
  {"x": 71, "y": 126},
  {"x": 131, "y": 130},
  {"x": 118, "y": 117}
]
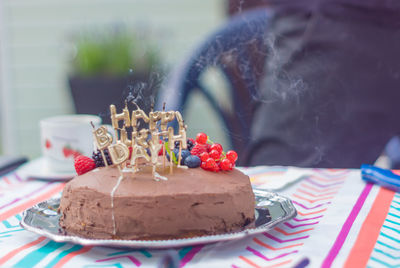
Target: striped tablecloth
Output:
[{"x": 341, "y": 222}]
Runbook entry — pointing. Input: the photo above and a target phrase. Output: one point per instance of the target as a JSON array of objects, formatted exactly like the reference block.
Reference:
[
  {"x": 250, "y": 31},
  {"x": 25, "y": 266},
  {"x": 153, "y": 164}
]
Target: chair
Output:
[{"x": 238, "y": 50}]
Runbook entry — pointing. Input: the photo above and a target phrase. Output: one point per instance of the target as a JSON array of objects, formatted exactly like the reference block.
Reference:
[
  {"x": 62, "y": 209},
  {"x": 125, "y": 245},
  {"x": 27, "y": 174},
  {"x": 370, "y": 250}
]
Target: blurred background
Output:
[{"x": 51, "y": 51}]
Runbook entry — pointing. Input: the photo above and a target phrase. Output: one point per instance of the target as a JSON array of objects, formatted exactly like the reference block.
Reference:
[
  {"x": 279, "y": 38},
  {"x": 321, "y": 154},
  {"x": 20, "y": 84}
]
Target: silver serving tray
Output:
[{"x": 271, "y": 209}]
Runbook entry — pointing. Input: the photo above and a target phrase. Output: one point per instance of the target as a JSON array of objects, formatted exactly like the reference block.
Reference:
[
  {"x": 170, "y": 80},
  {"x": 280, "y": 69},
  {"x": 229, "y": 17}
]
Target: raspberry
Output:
[
  {"x": 198, "y": 149},
  {"x": 98, "y": 158},
  {"x": 84, "y": 164}
]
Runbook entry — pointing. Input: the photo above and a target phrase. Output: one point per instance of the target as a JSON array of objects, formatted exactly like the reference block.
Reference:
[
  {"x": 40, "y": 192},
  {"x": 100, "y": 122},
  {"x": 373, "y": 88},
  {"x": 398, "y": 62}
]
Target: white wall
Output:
[{"x": 36, "y": 39}]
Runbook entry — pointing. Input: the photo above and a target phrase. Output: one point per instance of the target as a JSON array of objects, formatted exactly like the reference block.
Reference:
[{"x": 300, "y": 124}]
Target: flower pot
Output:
[{"x": 93, "y": 95}]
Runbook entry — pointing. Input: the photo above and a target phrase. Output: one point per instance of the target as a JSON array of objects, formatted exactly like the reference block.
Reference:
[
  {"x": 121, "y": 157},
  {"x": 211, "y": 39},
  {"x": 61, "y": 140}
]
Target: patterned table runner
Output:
[{"x": 341, "y": 222}]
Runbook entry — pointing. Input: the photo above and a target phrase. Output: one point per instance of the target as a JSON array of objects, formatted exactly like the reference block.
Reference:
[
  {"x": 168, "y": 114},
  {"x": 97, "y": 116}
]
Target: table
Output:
[{"x": 341, "y": 221}]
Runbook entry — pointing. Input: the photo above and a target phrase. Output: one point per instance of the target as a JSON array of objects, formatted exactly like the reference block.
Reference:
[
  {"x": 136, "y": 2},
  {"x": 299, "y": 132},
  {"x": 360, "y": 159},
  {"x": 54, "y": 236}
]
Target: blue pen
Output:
[{"x": 382, "y": 177}]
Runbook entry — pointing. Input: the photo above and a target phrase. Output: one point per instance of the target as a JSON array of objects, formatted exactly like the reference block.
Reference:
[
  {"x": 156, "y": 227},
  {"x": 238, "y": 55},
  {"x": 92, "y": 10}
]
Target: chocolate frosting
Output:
[{"x": 191, "y": 202}]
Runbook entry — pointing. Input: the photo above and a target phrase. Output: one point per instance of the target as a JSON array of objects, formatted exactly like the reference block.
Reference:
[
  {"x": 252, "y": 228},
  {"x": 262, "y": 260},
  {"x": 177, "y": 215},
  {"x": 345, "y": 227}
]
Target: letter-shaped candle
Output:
[{"x": 119, "y": 152}]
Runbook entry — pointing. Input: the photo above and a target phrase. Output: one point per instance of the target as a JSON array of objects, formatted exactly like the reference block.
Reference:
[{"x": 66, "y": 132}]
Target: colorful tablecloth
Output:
[{"x": 341, "y": 222}]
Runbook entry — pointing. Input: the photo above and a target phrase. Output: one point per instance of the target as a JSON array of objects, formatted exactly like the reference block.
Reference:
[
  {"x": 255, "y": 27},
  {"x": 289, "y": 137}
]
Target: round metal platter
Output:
[{"x": 270, "y": 210}]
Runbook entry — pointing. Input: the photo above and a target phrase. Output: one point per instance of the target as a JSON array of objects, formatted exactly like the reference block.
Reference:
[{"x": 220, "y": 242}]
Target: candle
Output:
[
  {"x": 136, "y": 115},
  {"x": 154, "y": 146},
  {"x": 181, "y": 137},
  {"x": 166, "y": 117},
  {"x": 115, "y": 118},
  {"x": 102, "y": 139},
  {"x": 119, "y": 152},
  {"x": 154, "y": 117}
]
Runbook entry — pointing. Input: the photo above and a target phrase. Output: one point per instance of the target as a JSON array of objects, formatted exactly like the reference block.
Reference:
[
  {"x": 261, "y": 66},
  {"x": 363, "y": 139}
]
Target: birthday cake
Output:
[{"x": 153, "y": 184}]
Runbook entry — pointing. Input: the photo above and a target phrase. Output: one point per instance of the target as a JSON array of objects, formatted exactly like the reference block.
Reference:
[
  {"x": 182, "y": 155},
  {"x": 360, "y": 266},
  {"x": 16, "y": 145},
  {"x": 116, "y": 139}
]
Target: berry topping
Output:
[
  {"x": 184, "y": 154},
  {"x": 232, "y": 155},
  {"x": 176, "y": 143},
  {"x": 204, "y": 156},
  {"x": 98, "y": 158},
  {"x": 226, "y": 164},
  {"x": 203, "y": 165},
  {"x": 190, "y": 144},
  {"x": 216, "y": 168},
  {"x": 198, "y": 149},
  {"x": 215, "y": 154},
  {"x": 211, "y": 164},
  {"x": 84, "y": 164},
  {"x": 208, "y": 147},
  {"x": 216, "y": 146},
  {"x": 201, "y": 138},
  {"x": 192, "y": 161}
]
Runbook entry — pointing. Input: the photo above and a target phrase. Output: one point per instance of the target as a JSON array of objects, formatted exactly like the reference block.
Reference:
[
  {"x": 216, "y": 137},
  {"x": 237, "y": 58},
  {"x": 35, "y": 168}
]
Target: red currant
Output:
[
  {"x": 232, "y": 155},
  {"x": 215, "y": 154},
  {"x": 208, "y": 147},
  {"x": 216, "y": 168},
  {"x": 226, "y": 164},
  {"x": 204, "y": 156},
  {"x": 201, "y": 138},
  {"x": 216, "y": 146},
  {"x": 203, "y": 165},
  {"x": 210, "y": 164}
]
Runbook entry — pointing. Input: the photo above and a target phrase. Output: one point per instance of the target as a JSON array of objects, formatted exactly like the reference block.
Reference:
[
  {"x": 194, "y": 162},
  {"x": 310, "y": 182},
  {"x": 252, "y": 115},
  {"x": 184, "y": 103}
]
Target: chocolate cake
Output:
[{"x": 101, "y": 204}]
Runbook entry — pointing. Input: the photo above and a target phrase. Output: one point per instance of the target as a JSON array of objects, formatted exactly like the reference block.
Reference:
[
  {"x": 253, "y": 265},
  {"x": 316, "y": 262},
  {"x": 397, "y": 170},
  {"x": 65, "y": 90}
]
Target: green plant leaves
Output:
[
  {"x": 114, "y": 53},
  {"x": 171, "y": 153}
]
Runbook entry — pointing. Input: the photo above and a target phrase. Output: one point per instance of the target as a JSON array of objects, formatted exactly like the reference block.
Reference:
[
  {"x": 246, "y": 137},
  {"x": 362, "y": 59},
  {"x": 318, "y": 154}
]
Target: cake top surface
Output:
[{"x": 182, "y": 181}]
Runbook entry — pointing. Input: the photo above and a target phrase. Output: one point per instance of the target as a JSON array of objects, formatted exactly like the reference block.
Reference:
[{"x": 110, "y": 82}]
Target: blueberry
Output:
[
  {"x": 184, "y": 153},
  {"x": 190, "y": 145},
  {"x": 176, "y": 144},
  {"x": 192, "y": 161},
  {"x": 176, "y": 152}
]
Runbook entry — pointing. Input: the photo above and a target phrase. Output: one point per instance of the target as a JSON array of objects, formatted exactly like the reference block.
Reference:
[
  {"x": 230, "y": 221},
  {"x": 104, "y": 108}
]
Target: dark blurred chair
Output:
[{"x": 238, "y": 50}]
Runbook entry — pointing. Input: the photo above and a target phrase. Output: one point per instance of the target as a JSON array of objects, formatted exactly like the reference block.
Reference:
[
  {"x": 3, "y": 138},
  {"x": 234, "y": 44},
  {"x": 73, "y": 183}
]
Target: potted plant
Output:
[{"x": 110, "y": 67}]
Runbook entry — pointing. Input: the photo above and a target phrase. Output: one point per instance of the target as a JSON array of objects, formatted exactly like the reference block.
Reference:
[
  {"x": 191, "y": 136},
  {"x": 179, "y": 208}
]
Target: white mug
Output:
[{"x": 65, "y": 137}]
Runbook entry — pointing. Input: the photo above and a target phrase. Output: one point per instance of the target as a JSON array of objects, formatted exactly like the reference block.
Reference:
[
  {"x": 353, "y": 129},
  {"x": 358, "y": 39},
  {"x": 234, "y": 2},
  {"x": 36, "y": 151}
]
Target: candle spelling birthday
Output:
[{"x": 144, "y": 145}]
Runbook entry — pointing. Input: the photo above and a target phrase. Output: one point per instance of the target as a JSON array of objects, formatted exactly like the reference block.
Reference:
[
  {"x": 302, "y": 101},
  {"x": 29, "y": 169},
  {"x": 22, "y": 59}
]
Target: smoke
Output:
[
  {"x": 142, "y": 89},
  {"x": 282, "y": 84}
]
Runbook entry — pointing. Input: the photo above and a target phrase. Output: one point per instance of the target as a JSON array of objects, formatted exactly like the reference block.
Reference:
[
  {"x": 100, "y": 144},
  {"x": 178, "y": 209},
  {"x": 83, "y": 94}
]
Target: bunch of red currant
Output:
[{"x": 212, "y": 156}]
